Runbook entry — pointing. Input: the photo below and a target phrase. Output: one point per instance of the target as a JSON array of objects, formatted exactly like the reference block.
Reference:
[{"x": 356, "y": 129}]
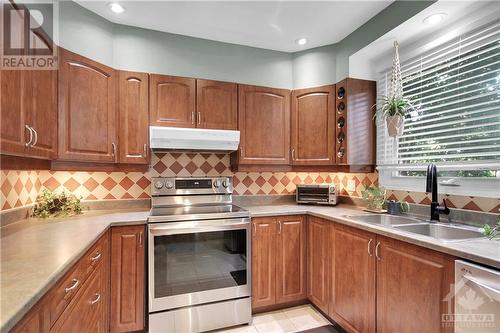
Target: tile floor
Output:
[{"x": 296, "y": 319}]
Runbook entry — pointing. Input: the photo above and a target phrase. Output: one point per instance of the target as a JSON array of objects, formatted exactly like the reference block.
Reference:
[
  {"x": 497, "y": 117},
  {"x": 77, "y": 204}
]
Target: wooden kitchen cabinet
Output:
[
  {"x": 313, "y": 126},
  {"x": 29, "y": 113},
  {"x": 87, "y": 114},
  {"x": 318, "y": 259},
  {"x": 172, "y": 101},
  {"x": 216, "y": 105},
  {"x": 264, "y": 123},
  {"x": 127, "y": 278},
  {"x": 352, "y": 302},
  {"x": 263, "y": 262},
  {"x": 412, "y": 285},
  {"x": 133, "y": 110},
  {"x": 278, "y": 261},
  {"x": 291, "y": 259}
]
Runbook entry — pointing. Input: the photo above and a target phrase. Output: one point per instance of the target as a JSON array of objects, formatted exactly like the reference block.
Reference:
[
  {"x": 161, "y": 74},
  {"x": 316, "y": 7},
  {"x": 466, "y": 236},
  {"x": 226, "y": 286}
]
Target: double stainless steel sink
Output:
[{"x": 442, "y": 231}]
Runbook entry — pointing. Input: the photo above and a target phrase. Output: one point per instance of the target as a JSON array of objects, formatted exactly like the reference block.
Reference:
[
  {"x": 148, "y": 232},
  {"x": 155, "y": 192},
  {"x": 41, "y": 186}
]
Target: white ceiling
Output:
[{"x": 271, "y": 25}]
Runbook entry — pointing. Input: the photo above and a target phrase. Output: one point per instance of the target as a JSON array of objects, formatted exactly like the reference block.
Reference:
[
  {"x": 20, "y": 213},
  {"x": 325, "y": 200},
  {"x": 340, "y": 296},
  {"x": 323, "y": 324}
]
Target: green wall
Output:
[{"x": 131, "y": 48}]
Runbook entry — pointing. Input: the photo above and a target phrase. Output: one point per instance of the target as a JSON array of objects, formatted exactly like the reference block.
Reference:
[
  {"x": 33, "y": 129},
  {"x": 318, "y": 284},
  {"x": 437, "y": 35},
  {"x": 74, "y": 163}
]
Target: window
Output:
[{"x": 456, "y": 88}]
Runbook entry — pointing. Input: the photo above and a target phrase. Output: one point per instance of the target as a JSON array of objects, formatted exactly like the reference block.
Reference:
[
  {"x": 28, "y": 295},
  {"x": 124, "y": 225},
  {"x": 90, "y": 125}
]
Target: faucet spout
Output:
[{"x": 431, "y": 187}]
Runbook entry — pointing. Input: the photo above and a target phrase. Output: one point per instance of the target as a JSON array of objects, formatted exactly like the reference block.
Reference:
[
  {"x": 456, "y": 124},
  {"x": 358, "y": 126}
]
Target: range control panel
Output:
[{"x": 196, "y": 185}]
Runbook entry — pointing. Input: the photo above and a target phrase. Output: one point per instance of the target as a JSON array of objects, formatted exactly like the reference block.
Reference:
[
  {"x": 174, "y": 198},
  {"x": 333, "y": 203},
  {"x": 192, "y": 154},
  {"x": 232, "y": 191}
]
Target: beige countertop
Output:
[
  {"x": 482, "y": 251},
  {"x": 37, "y": 253}
]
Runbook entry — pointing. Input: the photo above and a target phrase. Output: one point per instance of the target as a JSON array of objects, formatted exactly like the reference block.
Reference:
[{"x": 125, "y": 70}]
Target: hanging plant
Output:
[{"x": 395, "y": 106}]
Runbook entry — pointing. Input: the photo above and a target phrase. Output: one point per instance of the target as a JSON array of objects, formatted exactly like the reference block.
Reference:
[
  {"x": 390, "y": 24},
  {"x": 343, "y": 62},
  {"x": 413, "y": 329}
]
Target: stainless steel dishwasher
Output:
[{"x": 477, "y": 298}]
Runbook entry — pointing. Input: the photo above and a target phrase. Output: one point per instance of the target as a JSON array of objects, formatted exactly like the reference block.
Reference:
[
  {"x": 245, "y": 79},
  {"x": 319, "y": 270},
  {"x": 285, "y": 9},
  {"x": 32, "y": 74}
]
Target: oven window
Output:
[{"x": 194, "y": 262}]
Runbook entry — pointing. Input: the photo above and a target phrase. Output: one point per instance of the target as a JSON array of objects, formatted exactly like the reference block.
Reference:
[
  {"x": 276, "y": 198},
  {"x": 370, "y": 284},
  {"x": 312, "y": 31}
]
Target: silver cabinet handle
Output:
[
  {"x": 255, "y": 229},
  {"x": 199, "y": 117},
  {"x": 279, "y": 227},
  {"x": 98, "y": 297},
  {"x": 369, "y": 247},
  {"x": 36, "y": 137},
  {"x": 73, "y": 286},
  {"x": 97, "y": 257},
  {"x": 293, "y": 154},
  {"x": 27, "y": 144},
  {"x": 192, "y": 117},
  {"x": 376, "y": 251},
  {"x": 241, "y": 152},
  {"x": 140, "y": 239},
  {"x": 145, "y": 150},
  {"x": 113, "y": 149}
]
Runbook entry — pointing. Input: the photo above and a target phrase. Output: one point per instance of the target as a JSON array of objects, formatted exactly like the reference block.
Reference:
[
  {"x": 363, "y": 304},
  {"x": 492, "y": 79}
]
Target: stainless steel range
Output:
[{"x": 199, "y": 256}]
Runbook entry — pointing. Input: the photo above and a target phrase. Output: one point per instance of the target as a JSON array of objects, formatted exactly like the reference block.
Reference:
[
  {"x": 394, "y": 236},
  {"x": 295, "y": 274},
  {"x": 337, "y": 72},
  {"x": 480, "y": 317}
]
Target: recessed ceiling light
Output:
[
  {"x": 301, "y": 41},
  {"x": 116, "y": 7},
  {"x": 434, "y": 18}
]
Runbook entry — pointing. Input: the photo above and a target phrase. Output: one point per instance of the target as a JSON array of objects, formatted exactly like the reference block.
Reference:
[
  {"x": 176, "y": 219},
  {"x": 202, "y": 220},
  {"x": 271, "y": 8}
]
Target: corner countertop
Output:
[
  {"x": 36, "y": 253},
  {"x": 481, "y": 251}
]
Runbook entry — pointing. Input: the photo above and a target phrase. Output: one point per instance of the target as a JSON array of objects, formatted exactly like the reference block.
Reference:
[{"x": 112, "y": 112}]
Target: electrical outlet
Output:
[{"x": 351, "y": 185}]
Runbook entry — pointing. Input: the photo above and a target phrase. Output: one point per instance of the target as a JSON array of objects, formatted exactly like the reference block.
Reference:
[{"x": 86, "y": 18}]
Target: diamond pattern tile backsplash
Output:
[{"x": 20, "y": 188}]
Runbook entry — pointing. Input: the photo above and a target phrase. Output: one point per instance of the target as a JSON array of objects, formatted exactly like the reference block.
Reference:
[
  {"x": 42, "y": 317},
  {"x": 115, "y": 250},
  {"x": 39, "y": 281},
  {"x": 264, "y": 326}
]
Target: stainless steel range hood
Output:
[{"x": 192, "y": 139}]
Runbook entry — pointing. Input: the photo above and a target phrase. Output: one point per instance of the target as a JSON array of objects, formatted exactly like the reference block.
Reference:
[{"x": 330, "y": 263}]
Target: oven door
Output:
[{"x": 196, "y": 262}]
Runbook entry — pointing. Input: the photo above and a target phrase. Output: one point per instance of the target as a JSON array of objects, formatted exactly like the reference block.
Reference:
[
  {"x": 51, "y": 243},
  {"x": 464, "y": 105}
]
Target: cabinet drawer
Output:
[{"x": 66, "y": 289}]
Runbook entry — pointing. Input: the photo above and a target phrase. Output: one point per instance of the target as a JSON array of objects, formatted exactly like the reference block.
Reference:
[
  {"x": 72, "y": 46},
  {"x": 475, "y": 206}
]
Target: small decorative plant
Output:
[
  {"x": 50, "y": 204},
  {"x": 492, "y": 232},
  {"x": 397, "y": 207},
  {"x": 374, "y": 197},
  {"x": 395, "y": 106}
]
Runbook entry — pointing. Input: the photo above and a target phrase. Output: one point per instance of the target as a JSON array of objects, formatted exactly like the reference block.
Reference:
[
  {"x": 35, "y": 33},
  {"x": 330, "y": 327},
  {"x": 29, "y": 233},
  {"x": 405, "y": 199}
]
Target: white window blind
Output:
[{"x": 456, "y": 88}]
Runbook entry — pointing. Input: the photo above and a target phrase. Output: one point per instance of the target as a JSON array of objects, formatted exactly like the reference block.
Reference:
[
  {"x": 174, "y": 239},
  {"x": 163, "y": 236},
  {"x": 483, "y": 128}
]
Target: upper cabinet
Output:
[
  {"x": 216, "y": 105},
  {"x": 313, "y": 126},
  {"x": 264, "y": 122},
  {"x": 355, "y": 127},
  {"x": 172, "y": 101},
  {"x": 29, "y": 113},
  {"x": 87, "y": 114},
  {"x": 133, "y": 113}
]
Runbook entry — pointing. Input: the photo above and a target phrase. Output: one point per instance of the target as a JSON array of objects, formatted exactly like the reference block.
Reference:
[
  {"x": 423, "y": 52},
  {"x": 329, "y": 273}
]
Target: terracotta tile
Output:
[
  {"x": 51, "y": 184},
  {"x": 18, "y": 186},
  {"x": 308, "y": 180},
  {"x": 126, "y": 183},
  {"x": 176, "y": 167},
  {"x": 205, "y": 167},
  {"x": 160, "y": 167},
  {"x": 220, "y": 167},
  {"x": 247, "y": 181},
  {"x": 273, "y": 181},
  {"x": 6, "y": 187},
  {"x": 90, "y": 184},
  {"x": 143, "y": 182},
  {"x": 472, "y": 206},
  {"x": 109, "y": 196},
  {"x": 71, "y": 184},
  {"x": 144, "y": 195},
  {"x": 109, "y": 183},
  {"x": 91, "y": 197},
  {"x": 260, "y": 181},
  {"x": 28, "y": 185},
  {"x": 127, "y": 196}
]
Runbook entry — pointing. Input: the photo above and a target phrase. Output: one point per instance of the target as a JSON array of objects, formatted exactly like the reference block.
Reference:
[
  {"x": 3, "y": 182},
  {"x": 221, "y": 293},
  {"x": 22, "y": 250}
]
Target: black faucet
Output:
[{"x": 432, "y": 186}]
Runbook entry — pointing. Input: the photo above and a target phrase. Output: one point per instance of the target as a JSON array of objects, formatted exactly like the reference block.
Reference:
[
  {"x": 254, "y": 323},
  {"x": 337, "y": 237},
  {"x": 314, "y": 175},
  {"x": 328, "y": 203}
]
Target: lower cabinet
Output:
[
  {"x": 127, "y": 278},
  {"x": 381, "y": 284},
  {"x": 353, "y": 279},
  {"x": 278, "y": 260},
  {"x": 318, "y": 257}
]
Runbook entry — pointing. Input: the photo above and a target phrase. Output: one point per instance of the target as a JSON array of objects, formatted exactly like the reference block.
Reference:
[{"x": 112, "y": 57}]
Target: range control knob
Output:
[
  {"x": 225, "y": 183},
  {"x": 216, "y": 183},
  {"x": 158, "y": 184},
  {"x": 169, "y": 184},
  {"x": 332, "y": 189}
]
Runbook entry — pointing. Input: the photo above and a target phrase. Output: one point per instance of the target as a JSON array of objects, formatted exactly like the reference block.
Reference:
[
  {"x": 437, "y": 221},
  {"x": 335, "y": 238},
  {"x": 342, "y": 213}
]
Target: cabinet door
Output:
[
  {"x": 263, "y": 262},
  {"x": 14, "y": 135},
  {"x": 318, "y": 256},
  {"x": 412, "y": 286},
  {"x": 264, "y": 122},
  {"x": 87, "y": 115},
  {"x": 172, "y": 101},
  {"x": 353, "y": 279},
  {"x": 31, "y": 323},
  {"x": 217, "y": 104},
  {"x": 41, "y": 112},
  {"x": 127, "y": 278},
  {"x": 133, "y": 100},
  {"x": 291, "y": 259},
  {"x": 87, "y": 312},
  {"x": 313, "y": 126}
]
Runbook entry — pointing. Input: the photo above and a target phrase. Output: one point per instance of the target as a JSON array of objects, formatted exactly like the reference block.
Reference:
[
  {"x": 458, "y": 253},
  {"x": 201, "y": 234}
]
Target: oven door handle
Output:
[{"x": 187, "y": 228}]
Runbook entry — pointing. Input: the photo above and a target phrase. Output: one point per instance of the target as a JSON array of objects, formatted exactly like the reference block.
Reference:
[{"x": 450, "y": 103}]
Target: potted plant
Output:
[
  {"x": 395, "y": 106},
  {"x": 374, "y": 198}
]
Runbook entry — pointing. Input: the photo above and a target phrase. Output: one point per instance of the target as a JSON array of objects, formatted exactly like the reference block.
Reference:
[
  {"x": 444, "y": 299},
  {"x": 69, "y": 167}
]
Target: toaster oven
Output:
[{"x": 321, "y": 194}]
